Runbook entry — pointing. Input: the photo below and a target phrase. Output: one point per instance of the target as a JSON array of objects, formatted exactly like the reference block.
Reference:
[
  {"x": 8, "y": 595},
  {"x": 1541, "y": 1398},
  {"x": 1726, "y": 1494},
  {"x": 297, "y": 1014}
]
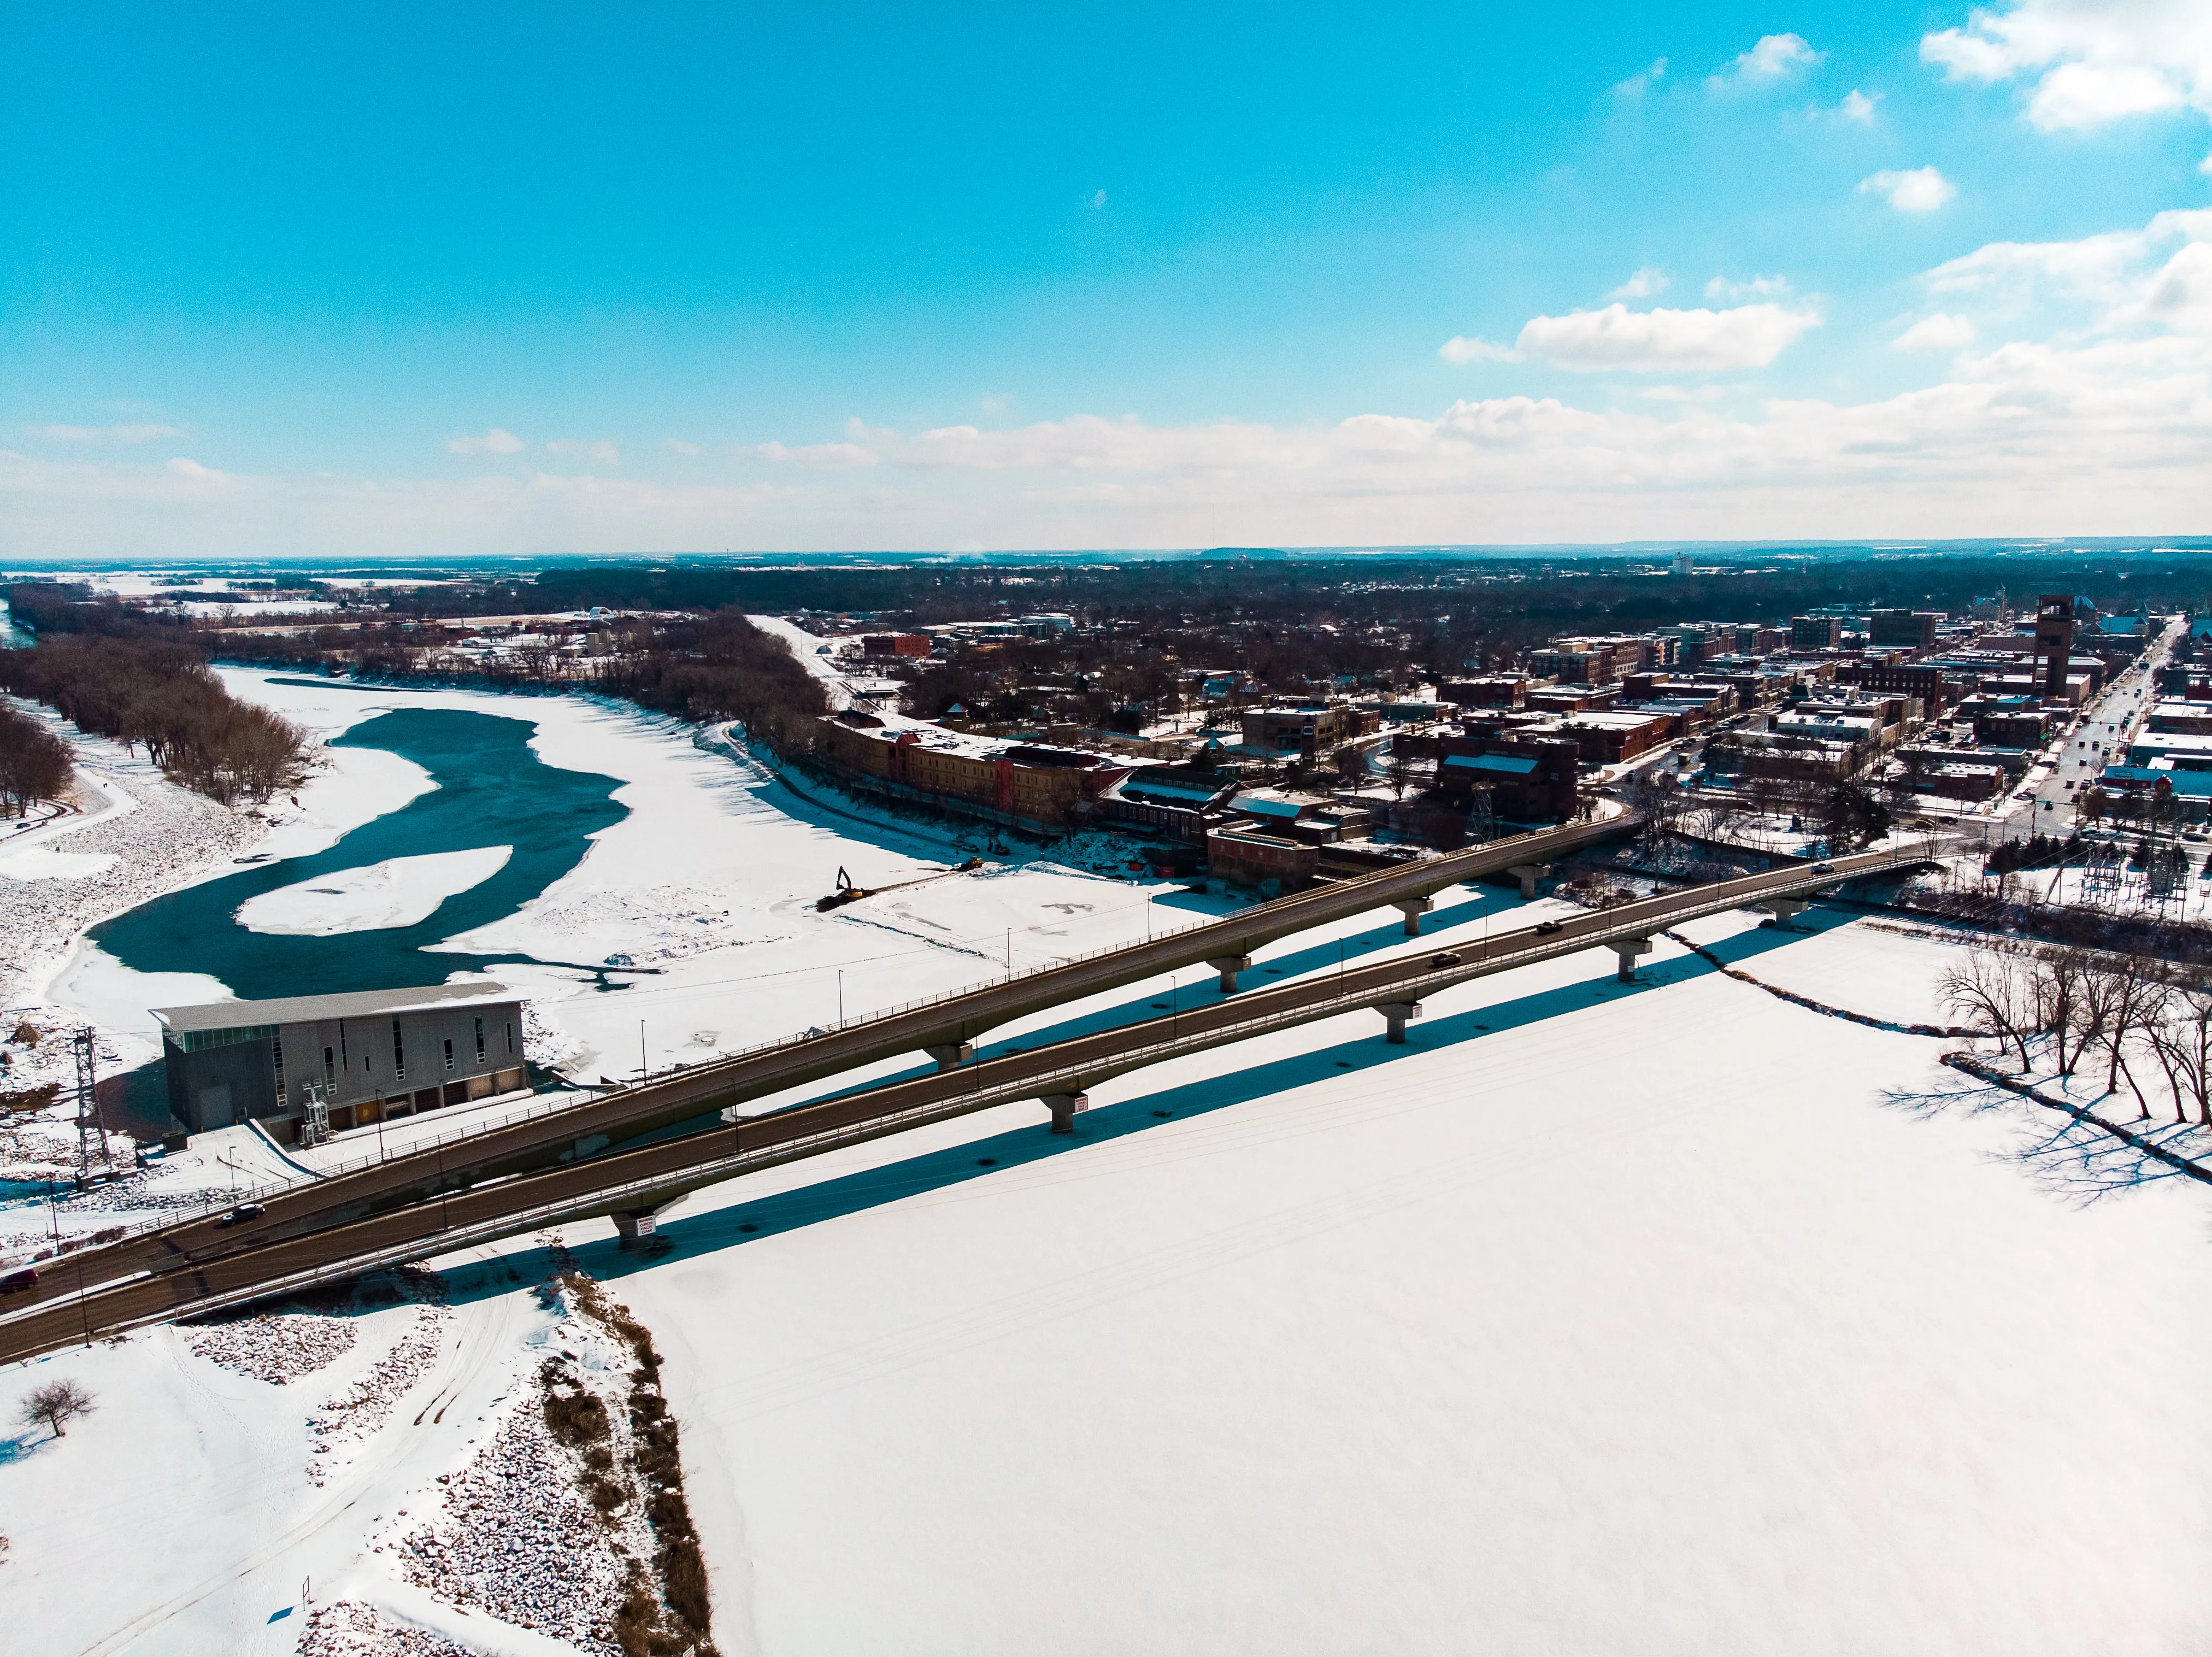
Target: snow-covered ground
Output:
[
  {"x": 1663, "y": 1319},
  {"x": 1601, "y": 1319}
]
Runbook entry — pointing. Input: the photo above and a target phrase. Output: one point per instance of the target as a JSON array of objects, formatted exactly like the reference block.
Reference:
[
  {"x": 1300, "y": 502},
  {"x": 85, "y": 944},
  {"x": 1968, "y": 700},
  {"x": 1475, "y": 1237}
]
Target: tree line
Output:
[
  {"x": 163, "y": 694},
  {"x": 2138, "y": 1017},
  {"x": 34, "y": 763}
]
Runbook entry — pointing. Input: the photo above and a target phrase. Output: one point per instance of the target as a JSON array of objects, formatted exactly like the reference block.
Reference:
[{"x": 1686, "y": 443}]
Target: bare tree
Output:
[
  {"x": 56, "y": 1404},
  {"x": 2181, "y": 1041},
  {"x": 2067, "y": 1009},
  {"x": 1990, "y": 992},
  {"x": 2133, "y": 990}
]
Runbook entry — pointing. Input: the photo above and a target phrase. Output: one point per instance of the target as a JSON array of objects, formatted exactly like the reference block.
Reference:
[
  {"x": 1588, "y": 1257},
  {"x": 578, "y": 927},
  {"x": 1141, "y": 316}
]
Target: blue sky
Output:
[{"x": 551, "y": 279}]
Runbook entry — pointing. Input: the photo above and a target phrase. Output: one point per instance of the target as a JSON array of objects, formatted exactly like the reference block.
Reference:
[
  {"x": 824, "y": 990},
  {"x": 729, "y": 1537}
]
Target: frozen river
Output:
[{"x": 264, "y": 932}]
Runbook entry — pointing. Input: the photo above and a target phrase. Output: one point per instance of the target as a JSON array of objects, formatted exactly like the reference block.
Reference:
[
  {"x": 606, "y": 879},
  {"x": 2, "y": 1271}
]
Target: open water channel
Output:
[{"x": 491, "y": 789}]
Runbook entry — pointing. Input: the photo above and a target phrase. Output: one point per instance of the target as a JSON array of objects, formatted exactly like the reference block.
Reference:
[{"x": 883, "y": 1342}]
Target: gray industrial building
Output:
[{"x": 355, "y": 1058}]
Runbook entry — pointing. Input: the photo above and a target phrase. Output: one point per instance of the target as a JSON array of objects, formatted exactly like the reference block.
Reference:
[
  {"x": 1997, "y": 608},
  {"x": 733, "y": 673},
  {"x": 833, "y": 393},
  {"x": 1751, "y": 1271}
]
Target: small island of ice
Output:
[{"x": 397, "y": 891}]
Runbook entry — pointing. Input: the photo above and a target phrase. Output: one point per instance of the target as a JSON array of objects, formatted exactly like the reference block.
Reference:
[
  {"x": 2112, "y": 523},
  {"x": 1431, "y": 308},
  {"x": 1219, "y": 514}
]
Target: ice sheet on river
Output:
[{"x": 396, "y": 892}]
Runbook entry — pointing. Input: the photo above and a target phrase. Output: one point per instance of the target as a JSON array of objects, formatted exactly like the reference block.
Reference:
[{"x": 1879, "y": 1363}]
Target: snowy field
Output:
[{"x": 1600, "y": 1319}]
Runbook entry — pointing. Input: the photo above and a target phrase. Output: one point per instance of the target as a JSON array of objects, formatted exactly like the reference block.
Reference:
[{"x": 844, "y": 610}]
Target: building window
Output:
[
  {"x": 480, "y": 1046},
  {"x": 277, "y": 1053},
  {"x": 510, "y": 1038},
  {"x": 330, "y": 1069},
  {"x": 399, "y": 1053},
  {"x": 449, "y": 1052},
  {"x": 344, "y": 1063}
]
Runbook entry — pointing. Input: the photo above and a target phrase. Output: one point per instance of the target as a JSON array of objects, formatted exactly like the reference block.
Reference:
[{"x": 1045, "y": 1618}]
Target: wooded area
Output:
[
  {"x": 34, "y": 763},
  {"x": 164, "y": 695}
]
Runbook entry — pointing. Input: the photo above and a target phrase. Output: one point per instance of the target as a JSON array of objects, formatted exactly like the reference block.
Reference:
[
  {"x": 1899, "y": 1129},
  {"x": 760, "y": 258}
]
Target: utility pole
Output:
[{"x": 642, "y": 1070}]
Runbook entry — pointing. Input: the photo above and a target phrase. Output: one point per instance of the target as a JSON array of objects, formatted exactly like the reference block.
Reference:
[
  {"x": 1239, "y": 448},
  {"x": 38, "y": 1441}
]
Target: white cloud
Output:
[
  {"x": 1857, "y": 107},
  {"x": 834, "y": 457},
  {"x": 495, "y": 441},
  {"x": 1648, "y": 281},
  {"x": 1772, "y": 58},
  {"x": 1922, "y": 190},
  {"x": 2111, "y": 271},
  {"x": 678, "y": 446},
  {"x": 1938, "y": 333},
  {"x": 1637, "y": 84},
  {"x": 1617, "y": 339},
  {"x": 2086, "y": 94},
  {"x": 103, "y": 434},
  {"x": 2023, "y": 439},
  {"x": 2180, "y": 295},
  {"x": 598, "y": 450},
  {"x": 2034, "y": 435},
  {"x": 1463, "y": 350},
  {"x": 2092, "y": 61},
  {"x": 1758, "y": 287},
  {"x": 1099, "y": 199}
]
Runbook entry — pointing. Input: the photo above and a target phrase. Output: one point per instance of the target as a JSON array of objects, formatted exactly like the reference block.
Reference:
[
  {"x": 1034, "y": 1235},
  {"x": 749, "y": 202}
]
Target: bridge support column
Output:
[
  {"x": 636, "y": 1226},
  {"x": 1064, "y": 1107},
  {"x": 1399, "y": 1013},
  {"x": 951, "y": 1054},
  {"x": 1528, "y": 874},
  {"x": 1412, "y": 909},
  {"x": 1229, "y": 966},
  {"x": 1786, "y": 910},
  {"x": 1628, "y": 949}
]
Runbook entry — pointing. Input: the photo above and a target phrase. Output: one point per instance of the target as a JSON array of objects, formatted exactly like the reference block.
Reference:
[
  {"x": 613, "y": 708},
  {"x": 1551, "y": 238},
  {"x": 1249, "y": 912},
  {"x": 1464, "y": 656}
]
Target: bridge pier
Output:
[
  {"x": 1229, "y": 966},
  {"x": 634, "y": 1226},
  {"x": 1064, "y": 1107},
  {"x": 1628, "y": 949},
  {"x": 1528, "y": 874},
  {"x": 1398, "y": 1013},
  {"x": 1412, "y": 909},
  {"x": 1786, "y": 910},
  {"x": 951, "y": 1054}
]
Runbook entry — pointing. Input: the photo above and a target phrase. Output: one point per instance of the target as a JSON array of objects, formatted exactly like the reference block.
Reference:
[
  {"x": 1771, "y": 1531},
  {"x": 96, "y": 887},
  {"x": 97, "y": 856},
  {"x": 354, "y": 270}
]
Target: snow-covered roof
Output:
[
  {"x": 1510, "y": 764},
  {"x": 357, "y": 1003}
]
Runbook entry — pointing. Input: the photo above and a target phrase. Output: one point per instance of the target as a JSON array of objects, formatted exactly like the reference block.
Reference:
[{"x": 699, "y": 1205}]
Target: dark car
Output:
[
  {"x": 1444, "y": 958},
  {"x": 20, "y": 1280},
  {"x": 1545, "y": 928},
  {"x": 241, "y": 1214}
]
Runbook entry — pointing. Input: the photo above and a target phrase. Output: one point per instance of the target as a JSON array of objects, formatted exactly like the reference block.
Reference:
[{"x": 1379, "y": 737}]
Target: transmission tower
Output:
[{"x": 88, "y": 1130}]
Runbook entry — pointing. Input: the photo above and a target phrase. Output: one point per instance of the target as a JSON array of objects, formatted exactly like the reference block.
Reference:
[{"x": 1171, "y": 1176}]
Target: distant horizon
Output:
[{"x": 2005, "y": 546}]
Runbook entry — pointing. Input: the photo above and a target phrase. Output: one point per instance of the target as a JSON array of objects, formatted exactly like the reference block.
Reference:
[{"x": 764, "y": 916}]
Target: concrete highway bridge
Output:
[
  {"x": 300, "y": 1241},
  {"x": 945, "y": 1028}
]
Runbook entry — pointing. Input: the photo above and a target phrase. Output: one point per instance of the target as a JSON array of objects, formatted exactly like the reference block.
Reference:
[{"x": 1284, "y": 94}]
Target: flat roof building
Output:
[{"x": 360, "y": 1057}]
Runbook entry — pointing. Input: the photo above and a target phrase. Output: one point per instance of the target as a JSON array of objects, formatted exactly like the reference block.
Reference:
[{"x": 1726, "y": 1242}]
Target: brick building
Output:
[{"x": 1025, "y": 786}]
